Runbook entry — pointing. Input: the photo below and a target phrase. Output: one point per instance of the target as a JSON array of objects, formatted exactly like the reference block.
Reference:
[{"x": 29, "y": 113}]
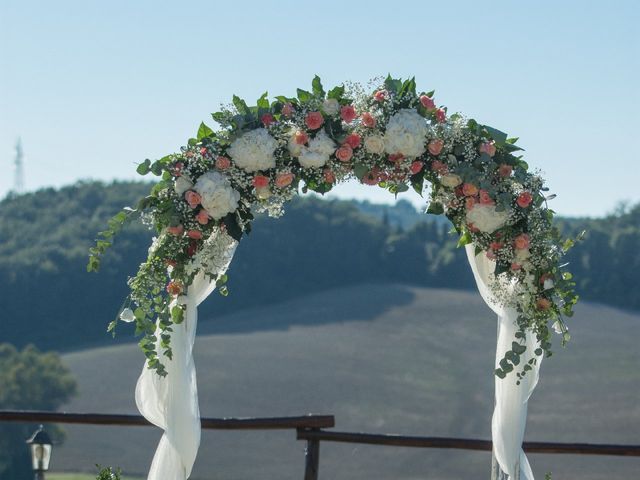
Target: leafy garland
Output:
[{"x": 395, "y": 138}]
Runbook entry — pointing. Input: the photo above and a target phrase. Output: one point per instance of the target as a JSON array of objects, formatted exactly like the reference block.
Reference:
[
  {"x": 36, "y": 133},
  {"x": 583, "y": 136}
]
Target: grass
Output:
[{"x": 80, "y": 476}]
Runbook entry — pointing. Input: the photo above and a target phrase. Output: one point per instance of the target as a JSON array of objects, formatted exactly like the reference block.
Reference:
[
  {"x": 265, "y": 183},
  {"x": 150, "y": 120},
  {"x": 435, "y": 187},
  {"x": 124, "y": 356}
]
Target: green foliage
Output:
[
  {"x": 32, "y": 380},
  {"x": 108, "y": 473}
]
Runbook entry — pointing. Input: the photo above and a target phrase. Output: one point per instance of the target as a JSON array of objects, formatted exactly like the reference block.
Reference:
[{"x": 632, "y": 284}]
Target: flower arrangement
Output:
[{"x": 395, "y": 138}]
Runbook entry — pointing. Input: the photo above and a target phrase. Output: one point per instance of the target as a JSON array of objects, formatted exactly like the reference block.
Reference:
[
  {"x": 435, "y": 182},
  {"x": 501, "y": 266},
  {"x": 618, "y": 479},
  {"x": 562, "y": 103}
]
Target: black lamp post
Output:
[{"x": 40, "y": 446}]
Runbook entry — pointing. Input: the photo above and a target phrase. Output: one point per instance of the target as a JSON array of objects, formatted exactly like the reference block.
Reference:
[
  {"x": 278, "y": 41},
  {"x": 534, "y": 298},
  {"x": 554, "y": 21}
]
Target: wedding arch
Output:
[{"x": 393, "y": 137}]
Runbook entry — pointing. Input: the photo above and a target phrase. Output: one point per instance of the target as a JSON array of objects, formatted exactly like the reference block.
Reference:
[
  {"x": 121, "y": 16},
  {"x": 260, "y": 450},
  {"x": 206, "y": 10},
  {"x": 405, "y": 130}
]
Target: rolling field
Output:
[{"x": 381, "y": 358}]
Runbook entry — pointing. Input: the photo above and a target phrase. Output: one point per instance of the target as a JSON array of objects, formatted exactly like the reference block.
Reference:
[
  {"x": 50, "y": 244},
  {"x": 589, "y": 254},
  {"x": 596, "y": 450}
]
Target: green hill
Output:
[
  {"x": 49, "y": 299},
  {"x": 382, "y": 358}
]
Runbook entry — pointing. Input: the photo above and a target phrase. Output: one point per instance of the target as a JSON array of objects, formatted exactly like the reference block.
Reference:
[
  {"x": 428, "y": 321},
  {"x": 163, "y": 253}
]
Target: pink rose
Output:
[
  {"x": 521, "y": 242},
  {"x": 222, "y": 163},
  {"x": 267, "y": 119},
  {"x": 435, "y": 146},
  {"x": 353, "y": 140},
  {"x": 489, "y": 148},
  {"x": 193, "y": 247},
  {"x": 314, "y": 120},
  {"x": 344, "y": 153},
  {"x": 192, "y": 198},
  {"x": 202, "y": 217},
  {"x": 348, "y": 113},
  {"x": 469, "y": 190},
  {"x": 195, "y": 234},
  {"x": 370, "y": 178},
  {"x": 416, "y": 166},
  {"x": 260, "y": 181},
  {"x": 301, "y": 137},
  {"x": 380, "y": 95},
  {"x": 396, "y": 157},
  {"x": 485, "y": 198},
  {"x": 524, "y": 200},
  {"x": 441, "y": 115},
  {"x": 368, "y": 120},
  {"x": 177, "y": 230},
  {"x": 177, "y": 169},
  {"x": 203, "y": 151},
  {"x": 284, "y": 179},
  {"x": 472, "y": 228},
  {"x": 427, "y": 102},
  {"x": 329, "y": 176},
  {"x": 516, "y": 266},
  {"x": 439, "y": 167},
  {"x": 491, "y": 255},
  {"x": 287, "y": 110},
  {"x": 505, "y": 170}
]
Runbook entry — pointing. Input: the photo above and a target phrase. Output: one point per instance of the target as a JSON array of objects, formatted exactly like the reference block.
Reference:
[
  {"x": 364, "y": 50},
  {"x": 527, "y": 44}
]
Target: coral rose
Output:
[
  {"x": 192, "y": 198},
  {"x": 435, "y": 146},
  {"x": 260, "y": 181},
  {"x": 222, "y": 163},
  {"x": 329, "y": 176},
  {"x": 469, "y": 190},
  {"x": 380, "y": 95},
  {"x": 524, "y": 200},
  {"x": 344, "y": 153},
  {"x": 202, "y": 217},
  {"x": 368, "y": 120},
  {"x": 439, "y": 167},
  {"x": 521, "y": 242},
  {"x": 489, "y": 148},
  {"x": 284, "y": 179},
  {"x": 177, "y": 230},
  {"x": 348, "y": 113},
  {"x": 441, "y": 115},
  {"x": 301, "y": 137},
  {"x": 353, "y": 140},
  {"x": 416, "y": 166},
  {"x": 427, "y": 102},
  {"x": 485, "y": 198},
  {"x": 267, "y": 119},
  {"x": 505, "y": 170},
  {"x": 177, "y": 169},
  {"x": 195, "y": 234},
  {"x": 314, "y": 120},
  {"x": 543, "y": 303}
]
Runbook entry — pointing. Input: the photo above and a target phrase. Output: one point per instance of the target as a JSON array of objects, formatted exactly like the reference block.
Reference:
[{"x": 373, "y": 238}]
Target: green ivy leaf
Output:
[
  {"x": 144, "y": 167},
  {"x": 303, "y": 95},
  {"x": 318, "y": 91},
  {"x": 204, "y": 131},
  {"x": 336, "y": 92}
]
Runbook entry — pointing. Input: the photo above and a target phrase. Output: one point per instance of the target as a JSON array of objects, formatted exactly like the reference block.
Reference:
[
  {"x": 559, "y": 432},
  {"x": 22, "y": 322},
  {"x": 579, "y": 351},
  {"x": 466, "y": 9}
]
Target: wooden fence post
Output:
[{"x": 312, "y": 459}]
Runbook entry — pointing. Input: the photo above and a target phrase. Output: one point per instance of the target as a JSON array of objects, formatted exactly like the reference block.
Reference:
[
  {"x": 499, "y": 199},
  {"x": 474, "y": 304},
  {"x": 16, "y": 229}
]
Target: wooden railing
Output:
[{"x": 310, "y": 428}]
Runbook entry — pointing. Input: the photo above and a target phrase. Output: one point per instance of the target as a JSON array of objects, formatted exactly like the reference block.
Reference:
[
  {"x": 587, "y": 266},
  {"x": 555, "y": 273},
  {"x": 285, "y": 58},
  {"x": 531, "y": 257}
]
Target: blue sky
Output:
[{"x": 95, "y": 87}]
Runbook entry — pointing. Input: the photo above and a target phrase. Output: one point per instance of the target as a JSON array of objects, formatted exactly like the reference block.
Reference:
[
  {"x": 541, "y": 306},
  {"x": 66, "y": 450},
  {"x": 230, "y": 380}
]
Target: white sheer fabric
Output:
[
  {"x": 171, "y": 402},
  {"x": 510, "y": 413}
]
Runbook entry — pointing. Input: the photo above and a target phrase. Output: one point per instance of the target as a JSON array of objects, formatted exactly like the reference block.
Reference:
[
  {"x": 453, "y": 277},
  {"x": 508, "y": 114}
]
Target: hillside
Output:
[
  {"x": 45, "y": 236},
  {"x": 382, "y": 358}
]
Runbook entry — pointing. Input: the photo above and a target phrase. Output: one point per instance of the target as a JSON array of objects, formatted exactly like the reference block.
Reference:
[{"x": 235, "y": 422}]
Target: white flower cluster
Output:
[
  {"x": 316, "y": 154},
  {"x": 486, "y": 219},
  {"x": 218, "y": 197},
  {"x": 254, "y": 150},
  {"x": 215, "y": 254},
  {"x": 406, "y": 133}
]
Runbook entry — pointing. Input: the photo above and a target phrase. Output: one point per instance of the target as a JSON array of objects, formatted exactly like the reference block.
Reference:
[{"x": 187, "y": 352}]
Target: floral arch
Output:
[{"x": 393, "y": 137}]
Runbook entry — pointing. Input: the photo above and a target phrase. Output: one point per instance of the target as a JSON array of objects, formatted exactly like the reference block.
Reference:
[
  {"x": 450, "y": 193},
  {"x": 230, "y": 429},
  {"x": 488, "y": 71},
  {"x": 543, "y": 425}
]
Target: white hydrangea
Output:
[
  {"x": 374, "y": 144},
  {"x": 406, "y": 133},
  {"x": 331, "y": 107},
  {"x": 218, "y": 197},
  {"x": 486, "y": 219},
  {"x": 253, "y": 151},
  {"x": 318, "y": 152},
  {"x": 183, "y": 184}
]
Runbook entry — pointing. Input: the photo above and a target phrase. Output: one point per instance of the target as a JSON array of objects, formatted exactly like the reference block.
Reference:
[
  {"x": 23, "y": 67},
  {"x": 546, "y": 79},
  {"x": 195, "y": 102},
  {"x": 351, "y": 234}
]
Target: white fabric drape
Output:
[
  {"x": 510, "y": 413},
  {"x": 171, "y": 402}
]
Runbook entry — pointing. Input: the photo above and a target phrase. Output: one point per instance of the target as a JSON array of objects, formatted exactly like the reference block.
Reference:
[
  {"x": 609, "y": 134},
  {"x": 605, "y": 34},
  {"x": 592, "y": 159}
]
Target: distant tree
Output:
[{"x": 29, "y": 379}]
